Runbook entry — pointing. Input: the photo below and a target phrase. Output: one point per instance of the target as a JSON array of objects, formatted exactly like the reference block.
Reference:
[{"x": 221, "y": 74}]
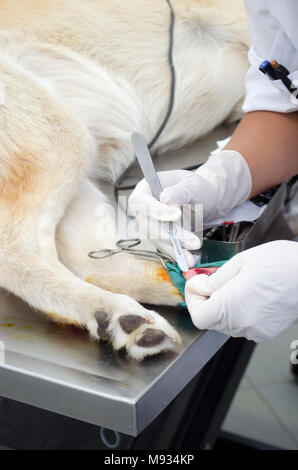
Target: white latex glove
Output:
[
  {"x": 254, "y": 295},
  {"x": 222, "y": 183}
]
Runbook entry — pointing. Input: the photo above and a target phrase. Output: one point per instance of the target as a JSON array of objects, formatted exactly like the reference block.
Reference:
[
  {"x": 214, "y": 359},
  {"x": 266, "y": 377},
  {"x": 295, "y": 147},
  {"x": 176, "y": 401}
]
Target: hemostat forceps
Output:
[{"x": 126, "y": 246}]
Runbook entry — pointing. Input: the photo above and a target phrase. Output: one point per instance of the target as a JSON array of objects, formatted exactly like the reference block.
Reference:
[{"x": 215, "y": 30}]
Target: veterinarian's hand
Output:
[
  {"x": 222, "y": 183},
  {"x": 254, "y": 295}
]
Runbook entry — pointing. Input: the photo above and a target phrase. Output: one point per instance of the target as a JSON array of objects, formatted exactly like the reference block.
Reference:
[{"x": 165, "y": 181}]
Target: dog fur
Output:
[{"x": 79, "y": 77}]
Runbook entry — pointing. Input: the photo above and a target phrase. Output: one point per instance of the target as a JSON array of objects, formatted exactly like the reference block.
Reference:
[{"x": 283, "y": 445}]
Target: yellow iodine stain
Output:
[
  {"x": 9, "y": 325},
  {"x": 17, "y": 336},
  {"x": 162, "y": 274},
  {"x": 96, "y": 283}
]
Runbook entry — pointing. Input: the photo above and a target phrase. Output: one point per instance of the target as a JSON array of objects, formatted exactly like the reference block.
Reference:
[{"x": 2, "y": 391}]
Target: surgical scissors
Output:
[{"x": 126, "y": 246}]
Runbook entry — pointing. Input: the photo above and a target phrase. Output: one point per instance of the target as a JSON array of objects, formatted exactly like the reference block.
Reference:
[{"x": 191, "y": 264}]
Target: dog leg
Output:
[
  {"x": 89, "y": 224},
  {"x": 44, "y": 154}
]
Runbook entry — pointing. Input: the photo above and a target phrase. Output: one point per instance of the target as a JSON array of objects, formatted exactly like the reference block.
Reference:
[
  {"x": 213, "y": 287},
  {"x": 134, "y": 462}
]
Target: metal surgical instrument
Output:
[
  {"x": 126, "y": 246},
  {"x": 146, "y": 164}
]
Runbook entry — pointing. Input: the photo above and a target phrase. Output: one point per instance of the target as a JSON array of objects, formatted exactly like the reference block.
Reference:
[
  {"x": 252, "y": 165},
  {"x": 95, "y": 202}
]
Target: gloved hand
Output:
[
  {"x": 255, "y": 294},
  {"x": 222, "y": 183}
]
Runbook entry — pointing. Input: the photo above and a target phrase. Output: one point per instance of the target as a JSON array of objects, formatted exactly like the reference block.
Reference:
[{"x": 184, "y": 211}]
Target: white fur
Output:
[{"x": 73, "y": 97}]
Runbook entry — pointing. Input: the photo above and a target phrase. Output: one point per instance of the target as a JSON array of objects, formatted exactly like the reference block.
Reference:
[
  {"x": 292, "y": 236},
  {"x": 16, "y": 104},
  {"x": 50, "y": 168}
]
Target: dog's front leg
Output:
[
  {"x": 89, "y": 225},
  {"x": 142, "y": 332},
  {"x": 45, "y": 153}
]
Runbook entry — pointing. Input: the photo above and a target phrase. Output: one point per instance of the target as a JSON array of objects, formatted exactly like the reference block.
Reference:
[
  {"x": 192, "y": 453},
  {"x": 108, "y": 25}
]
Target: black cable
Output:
[
  {"x": 173, "y": 78},
  {"x": 118, "y": 182}
]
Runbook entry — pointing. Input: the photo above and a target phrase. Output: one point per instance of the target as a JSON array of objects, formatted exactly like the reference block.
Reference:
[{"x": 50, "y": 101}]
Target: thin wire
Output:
[
  {"x": 118, "y": 182},
  {"x": 173, "y": 77}
]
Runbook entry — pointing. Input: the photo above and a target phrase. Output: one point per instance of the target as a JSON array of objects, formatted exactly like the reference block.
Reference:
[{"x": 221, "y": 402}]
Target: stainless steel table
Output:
[{"x": 59, "y": 369}]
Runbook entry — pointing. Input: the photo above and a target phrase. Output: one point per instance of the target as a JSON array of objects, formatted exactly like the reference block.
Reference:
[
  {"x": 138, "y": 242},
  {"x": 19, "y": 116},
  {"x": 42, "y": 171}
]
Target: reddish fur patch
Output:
[{"x": 19, "y": 179}]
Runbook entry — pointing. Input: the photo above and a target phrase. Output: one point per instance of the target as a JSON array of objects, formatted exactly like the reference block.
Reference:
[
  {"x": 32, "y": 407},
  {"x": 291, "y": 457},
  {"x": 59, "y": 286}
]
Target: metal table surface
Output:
[{"x": 60, "y": 369}]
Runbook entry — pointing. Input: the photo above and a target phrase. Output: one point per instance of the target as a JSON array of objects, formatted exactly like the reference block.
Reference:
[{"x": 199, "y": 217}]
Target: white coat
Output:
[{"x": 274, "y": 36}]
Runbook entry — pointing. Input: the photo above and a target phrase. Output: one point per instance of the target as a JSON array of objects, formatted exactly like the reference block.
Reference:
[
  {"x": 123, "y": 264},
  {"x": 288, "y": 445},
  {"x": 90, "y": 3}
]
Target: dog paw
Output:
[{"x": 128, "y": 325}]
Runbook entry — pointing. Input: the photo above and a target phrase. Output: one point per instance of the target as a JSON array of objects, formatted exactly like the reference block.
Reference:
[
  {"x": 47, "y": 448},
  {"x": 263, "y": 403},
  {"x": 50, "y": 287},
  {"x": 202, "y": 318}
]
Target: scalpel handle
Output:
[{"x": 144, "y": 158}]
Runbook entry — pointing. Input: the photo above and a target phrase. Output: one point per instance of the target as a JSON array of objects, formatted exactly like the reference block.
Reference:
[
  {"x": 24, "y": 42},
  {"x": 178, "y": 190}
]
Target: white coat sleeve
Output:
[{"x": 273, "y": 37}]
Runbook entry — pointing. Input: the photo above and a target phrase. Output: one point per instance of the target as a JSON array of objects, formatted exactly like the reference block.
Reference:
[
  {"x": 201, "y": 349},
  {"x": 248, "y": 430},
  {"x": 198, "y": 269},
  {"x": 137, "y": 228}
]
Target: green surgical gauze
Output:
[{"x": 179, "y": 280}]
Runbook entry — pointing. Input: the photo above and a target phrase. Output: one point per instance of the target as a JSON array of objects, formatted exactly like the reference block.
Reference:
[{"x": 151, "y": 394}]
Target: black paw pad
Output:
[
  {"x": 129, "y": 323},
  {"x": 151, "y": 338},
  {"x": 102, "y": 319}
]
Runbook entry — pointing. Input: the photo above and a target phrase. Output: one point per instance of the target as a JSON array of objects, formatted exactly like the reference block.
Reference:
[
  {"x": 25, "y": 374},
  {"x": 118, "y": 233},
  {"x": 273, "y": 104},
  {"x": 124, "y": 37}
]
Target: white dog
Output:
[{"x": 77, "y": 79}]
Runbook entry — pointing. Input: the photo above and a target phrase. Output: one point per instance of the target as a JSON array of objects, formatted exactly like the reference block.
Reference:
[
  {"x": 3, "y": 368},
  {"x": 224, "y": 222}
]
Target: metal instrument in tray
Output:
[{"x": 215, "y": 250}]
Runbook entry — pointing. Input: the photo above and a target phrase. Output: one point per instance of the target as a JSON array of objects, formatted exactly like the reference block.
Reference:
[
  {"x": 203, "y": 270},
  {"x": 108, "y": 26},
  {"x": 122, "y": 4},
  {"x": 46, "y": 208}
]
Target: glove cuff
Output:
[{"x": 228, "y": 172}]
